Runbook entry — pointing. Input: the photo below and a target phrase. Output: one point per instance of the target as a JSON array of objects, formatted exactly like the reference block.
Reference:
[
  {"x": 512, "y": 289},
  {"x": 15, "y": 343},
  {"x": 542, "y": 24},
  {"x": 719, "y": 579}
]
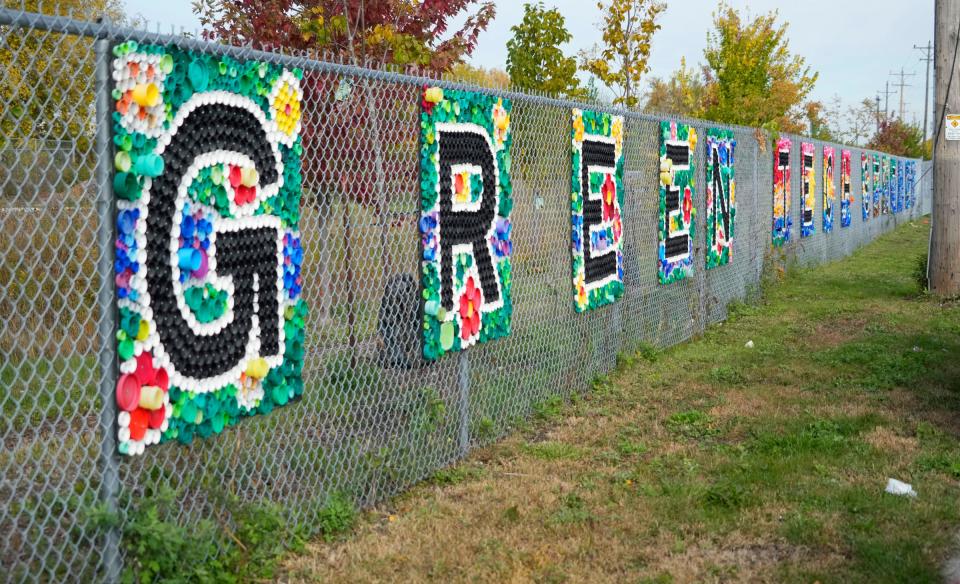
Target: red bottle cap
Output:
[
  {"x": 128, "y": 392},
  {"x": 145, "y": 372},
  {"x": 156, "y": 418},
  {"x": 139, "y": 419}
]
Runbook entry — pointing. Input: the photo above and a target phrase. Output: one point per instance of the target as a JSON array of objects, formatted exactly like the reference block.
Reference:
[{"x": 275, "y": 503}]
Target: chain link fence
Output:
[{"x": 365, "y": 427}]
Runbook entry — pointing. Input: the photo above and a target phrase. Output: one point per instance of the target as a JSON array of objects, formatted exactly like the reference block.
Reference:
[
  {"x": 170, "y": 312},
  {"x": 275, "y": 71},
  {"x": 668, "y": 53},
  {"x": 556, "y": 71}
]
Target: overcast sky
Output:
[{"x": 853, "y": 45}]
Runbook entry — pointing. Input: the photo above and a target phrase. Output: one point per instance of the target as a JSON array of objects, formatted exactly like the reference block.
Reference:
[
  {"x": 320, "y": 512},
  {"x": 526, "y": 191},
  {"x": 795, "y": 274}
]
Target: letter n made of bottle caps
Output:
[
  {"x": 721, "y": 196},
  {"x": 465, "y": 226},
  {"x": 208, "y": 254}
]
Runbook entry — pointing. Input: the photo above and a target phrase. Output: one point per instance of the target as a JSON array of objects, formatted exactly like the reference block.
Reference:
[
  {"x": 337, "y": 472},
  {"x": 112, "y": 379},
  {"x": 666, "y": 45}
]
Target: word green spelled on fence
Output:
[{"x": 345, "y": 278}]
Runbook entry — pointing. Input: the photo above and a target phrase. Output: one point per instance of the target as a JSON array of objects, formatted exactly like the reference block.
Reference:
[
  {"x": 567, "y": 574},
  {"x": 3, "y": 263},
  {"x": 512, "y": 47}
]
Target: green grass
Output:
[{"x": 712, "y": 461}]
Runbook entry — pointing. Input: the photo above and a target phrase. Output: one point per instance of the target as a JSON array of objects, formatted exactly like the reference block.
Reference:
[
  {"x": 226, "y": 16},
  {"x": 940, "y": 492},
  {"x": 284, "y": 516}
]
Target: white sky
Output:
[{"x": 853, "y": 45}]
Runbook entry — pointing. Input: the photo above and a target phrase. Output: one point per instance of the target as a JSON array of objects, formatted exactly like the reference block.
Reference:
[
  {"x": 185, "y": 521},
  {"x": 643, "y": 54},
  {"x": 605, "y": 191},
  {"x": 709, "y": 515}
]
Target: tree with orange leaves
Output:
[{"x": 398, "y": 32}]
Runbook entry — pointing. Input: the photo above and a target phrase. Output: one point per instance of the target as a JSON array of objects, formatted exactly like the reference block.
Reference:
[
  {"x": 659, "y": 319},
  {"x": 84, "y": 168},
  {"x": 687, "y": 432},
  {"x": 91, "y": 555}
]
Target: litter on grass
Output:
[{"x": 895, "y": 487}]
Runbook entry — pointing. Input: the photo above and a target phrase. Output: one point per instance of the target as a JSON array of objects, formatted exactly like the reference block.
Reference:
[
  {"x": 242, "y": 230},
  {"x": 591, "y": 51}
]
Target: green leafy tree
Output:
[
  {"x": 47, "y": 79},
  {"x": 900, "y": 139},
  {"x": 683, "y": 94},
  {"x": 628, "y": 27},
  {"x": 534, "y": 58},
  {"x": 47, "y": 114},
  {"x": 818, "y": 121},
  {"x": 754, "y": 79},
  {"x": 466, "y": 73}
]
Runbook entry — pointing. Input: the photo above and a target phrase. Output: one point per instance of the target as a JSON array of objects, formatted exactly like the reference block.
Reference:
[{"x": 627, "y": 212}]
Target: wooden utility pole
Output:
[
  {"x": 944, "y": 263},
  {"x": 878, "y": 114},
  {"x": 886, "y": 101},
  {"x": 901, "y": 85}
]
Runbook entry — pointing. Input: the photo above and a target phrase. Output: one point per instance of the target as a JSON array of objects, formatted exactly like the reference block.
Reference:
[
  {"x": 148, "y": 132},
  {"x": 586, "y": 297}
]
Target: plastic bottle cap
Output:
[
  {"x": 145, "y": 372},
  {"x": 197, "y": 73},
  {"x": 188, "y": 259},
  {"x": 248, "y": 177},
  {"x": 151, "y": 397},
  {"x": 126, "y": 186},
  {"x": 149, "y": 165},
  {"x": 156, "y": 418},
  {"x": 125, "y": 349},
  {"x": 146, "y": 94},
  {"x": 139, "y": 420},
  {"x": 446, "y": 335},
  {"x": 161, "y": 379},
  {"x": 204, "y": 266},
  {"x": 128, "y": 392},
  {"x": 257, "y": 368},
  {"x": 236, "y": 176},
  {"x": 143, "y": 331},
  {"x": 166, "y": 64},
  {"x": 122, "y": 161}
]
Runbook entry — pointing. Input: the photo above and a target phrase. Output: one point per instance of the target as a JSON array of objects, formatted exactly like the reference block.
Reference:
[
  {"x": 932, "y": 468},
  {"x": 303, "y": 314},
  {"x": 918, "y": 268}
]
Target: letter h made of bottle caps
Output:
[
  {"x": 208, "y": 252},
  {"x": 465, "y": 227}
]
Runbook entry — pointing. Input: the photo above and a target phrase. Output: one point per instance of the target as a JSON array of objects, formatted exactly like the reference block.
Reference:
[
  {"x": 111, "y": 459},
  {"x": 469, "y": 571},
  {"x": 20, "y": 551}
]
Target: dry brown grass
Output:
[{"x": 715, "y": 463}]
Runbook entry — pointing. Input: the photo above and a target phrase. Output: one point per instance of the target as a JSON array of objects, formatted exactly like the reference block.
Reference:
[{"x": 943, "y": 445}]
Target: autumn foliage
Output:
[
  {"x": 753, "y": 78},
  {"x": 399, "y": 32},
  {"x": 353, "y": 141}
]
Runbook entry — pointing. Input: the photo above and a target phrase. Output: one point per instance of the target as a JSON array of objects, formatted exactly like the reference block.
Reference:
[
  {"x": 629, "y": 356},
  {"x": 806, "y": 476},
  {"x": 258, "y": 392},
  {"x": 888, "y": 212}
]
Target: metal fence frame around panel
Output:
[{"x": 362, "y": 428}]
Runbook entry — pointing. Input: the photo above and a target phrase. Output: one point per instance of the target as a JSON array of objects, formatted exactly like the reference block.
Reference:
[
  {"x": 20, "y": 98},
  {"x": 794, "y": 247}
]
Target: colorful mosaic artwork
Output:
[
  {"x": 782, "y": 222},
  {"x": 829, "y": 187},
  {"x": 892, "y": 186},
  {"x": 901, "y": 186},
  {"x": 465, "y": 228},
  {"x": 596, "y": 208},
  {"x": 676, "y": 230},
  {"x": 721, "y": 196},
  {"x": 885, "y": 185},
  {"x": 846, "y": 192},
  {"x": 866, "y": 193},
  {"x": 910, "y": 180},
  {"x": 208, "y": 249},
  {"x": 808, "y": 189},
  {"x": 877, "y": 186}
]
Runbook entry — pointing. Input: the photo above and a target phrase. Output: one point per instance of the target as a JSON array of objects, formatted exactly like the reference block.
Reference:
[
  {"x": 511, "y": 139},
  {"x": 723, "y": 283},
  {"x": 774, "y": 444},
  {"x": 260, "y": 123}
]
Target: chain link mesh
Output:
[{"x": 365, "y": 426}]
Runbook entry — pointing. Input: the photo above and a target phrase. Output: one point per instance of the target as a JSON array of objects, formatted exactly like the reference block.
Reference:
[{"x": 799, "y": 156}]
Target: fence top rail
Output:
[{"x": 104, "y": 28}]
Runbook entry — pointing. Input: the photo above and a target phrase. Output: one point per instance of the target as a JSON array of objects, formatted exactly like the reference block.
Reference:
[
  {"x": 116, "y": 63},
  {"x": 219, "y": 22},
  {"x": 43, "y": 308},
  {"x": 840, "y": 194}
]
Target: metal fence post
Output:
[
  {"x": 464, "y": 385},
  {"x": 108, "y": 310}
]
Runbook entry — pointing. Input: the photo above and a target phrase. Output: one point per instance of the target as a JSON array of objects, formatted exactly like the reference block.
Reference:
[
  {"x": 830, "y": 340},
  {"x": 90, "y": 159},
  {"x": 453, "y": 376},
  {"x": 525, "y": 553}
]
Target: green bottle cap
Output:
[{"x": 125, "y": 349}]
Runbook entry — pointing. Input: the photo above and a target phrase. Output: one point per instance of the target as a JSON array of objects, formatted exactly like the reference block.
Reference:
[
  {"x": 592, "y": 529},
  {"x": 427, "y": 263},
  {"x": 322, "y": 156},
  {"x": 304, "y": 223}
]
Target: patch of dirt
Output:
[
  {"x": 885, "y": 439},
  {"x": 739, "y": 404},
  {"x": 747, "y": 562},
  {"x": 945, "y": 418},
  {"x": 834, "y": 333}
]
